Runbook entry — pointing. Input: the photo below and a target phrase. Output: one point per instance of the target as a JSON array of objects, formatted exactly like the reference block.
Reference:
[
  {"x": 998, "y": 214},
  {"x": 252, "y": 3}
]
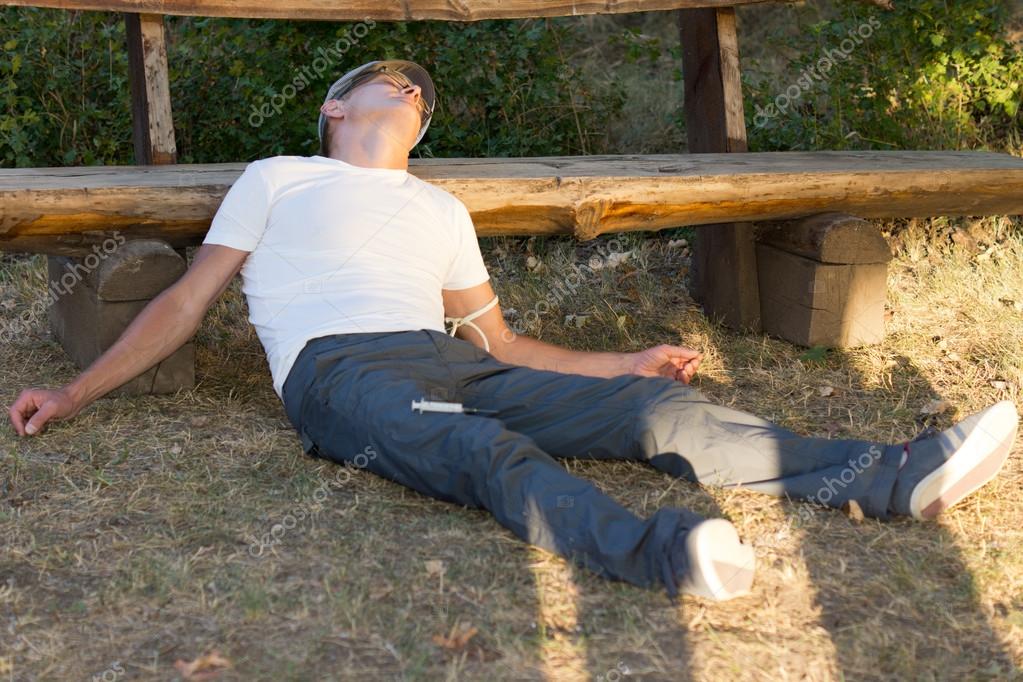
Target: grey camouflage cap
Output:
[{"x": 410, "y": 70}]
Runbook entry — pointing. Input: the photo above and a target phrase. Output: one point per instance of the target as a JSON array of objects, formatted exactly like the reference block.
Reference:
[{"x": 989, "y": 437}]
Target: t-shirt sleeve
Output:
[
  {"x": 241, "y": 219},
  {"x": 467, "y": 267}
]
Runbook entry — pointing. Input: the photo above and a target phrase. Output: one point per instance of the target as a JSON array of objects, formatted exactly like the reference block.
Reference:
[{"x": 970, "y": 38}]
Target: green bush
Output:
[
  {"x": 504, "y": 87},
  {"x": 934, "y": 74},
  {"x": 63, "y": 89}
]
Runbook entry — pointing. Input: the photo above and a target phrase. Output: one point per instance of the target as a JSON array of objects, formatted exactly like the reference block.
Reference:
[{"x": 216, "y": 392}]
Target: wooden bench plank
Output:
[
  {"x": 381, "y": 10},
  {"x": 54, "y": 210}
]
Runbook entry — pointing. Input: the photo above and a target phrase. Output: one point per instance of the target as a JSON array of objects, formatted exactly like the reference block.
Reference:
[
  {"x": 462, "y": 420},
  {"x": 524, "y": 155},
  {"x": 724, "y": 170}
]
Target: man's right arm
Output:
[{"x": 163, "y": 326}]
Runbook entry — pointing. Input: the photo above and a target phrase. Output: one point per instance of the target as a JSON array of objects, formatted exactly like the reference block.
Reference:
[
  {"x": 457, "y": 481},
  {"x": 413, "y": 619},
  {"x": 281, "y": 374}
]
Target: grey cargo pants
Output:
[{"x": 351, "y": 394}]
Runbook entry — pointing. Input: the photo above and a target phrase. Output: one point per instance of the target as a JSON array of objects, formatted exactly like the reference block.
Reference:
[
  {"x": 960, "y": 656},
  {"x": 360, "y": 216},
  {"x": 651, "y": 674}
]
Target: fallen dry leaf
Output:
[
  {"x": 833, "y": 427},
  {"x": 380, "y": 591},
  {"x": 206, "y": 667},
  {"x": 435, "y": 567},
  {"x": 458, "y": 638},
  {"x": 935, "y": 407},
  {"x": 612, "y": 261},
  {"x": 964, "y": 239},
  {"x": 987, "y": 253},
  {"x": 853, "y": 510},
  {"x": 577, "y": 320}
]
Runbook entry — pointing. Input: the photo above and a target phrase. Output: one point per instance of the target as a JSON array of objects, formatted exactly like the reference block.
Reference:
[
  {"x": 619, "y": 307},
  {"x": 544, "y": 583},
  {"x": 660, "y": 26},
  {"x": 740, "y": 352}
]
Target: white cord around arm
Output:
[{"x": 467, "y": 321}]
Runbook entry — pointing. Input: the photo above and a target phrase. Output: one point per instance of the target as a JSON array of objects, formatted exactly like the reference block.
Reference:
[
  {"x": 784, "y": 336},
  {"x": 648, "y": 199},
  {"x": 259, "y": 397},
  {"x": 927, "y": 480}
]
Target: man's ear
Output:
[{"x": 335, "y": 108}]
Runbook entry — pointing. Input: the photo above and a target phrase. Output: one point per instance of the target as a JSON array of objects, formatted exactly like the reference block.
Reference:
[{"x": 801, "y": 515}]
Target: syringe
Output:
[{"x": 424, "y": 405}]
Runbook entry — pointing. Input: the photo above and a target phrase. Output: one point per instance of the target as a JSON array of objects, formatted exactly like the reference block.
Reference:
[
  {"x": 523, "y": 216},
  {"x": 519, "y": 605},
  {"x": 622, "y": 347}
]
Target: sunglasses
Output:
[{"x": 396, "y": 77}]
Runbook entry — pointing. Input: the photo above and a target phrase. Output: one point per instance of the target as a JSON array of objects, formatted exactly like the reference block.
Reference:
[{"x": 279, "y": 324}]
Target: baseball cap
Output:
[{"x": 409, "y": 70}]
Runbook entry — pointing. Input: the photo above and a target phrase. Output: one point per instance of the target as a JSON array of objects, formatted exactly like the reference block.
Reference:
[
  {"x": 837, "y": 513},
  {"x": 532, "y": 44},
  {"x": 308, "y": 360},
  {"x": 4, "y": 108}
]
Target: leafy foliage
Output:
[
  {"x": 505, "y": 88},
  {"x": 63, "y": 89},
  {"x": 933, "y": 74}
]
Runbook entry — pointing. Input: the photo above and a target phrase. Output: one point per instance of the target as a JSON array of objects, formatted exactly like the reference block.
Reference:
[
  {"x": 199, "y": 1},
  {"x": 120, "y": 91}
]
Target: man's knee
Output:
[
  {"x": 668, "y": 398},
  {"x": 672, "y": 413}
]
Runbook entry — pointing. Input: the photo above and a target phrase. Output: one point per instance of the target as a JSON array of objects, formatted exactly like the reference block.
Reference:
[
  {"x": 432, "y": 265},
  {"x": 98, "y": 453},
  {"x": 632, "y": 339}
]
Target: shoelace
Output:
[{"x": 928, "y": 432}]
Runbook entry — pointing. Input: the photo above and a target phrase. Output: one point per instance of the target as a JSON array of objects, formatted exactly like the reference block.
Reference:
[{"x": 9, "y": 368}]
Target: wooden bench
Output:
[{"x": 814, "y": 274}]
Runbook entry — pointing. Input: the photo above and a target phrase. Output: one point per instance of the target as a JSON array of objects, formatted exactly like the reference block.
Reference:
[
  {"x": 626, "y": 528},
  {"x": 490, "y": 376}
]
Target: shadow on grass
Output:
[
  {"x": 906, "y": 602},
  {"x": 896, "y": 598},
  {"x": 628, "y": 632}
]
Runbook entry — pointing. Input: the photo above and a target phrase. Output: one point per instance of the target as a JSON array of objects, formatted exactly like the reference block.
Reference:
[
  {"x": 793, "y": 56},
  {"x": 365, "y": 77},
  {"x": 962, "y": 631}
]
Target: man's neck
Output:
[{"x": 370, "y": 151}]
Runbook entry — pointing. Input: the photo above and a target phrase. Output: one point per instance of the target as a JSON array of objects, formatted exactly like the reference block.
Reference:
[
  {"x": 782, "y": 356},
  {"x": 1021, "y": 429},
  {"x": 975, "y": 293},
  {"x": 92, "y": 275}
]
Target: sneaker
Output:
[
  {"x": 938, "y": 472},
  {"x": 720, "y": 566}
]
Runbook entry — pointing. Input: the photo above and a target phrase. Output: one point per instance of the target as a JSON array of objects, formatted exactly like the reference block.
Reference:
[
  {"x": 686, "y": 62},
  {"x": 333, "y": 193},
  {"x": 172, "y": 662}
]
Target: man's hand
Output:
[
  {"x": 167, "y": 322},
  {"x": 673, "y": 362},
  {"x": 39, "y": 406}
]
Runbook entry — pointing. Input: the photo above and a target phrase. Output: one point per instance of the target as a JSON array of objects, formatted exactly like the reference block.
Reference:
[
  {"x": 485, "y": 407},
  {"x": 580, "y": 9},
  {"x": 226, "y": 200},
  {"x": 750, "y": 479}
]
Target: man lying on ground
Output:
[{"x": 349, "y": 265}]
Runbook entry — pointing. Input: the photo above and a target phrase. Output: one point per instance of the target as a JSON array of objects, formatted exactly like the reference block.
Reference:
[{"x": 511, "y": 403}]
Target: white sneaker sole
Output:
[
  {"x": 722, "y": 567},
  {"x": 977, "y": 461}
]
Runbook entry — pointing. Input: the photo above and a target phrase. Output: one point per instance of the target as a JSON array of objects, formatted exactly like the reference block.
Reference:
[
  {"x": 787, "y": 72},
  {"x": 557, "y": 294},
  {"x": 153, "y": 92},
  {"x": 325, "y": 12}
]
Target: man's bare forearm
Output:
[
  {"x": 162, "y": 327},
  {"x": 530, "y": 352}
]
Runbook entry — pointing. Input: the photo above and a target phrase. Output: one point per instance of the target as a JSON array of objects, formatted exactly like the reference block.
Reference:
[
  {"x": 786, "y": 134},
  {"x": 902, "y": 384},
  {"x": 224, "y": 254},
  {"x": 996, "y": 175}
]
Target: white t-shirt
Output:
[{"x": 337, "y": 249}]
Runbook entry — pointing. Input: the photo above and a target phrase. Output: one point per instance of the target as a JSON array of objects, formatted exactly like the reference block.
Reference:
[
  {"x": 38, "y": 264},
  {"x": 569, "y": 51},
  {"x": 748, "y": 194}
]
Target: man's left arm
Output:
[{"x": 673, "y": 362}]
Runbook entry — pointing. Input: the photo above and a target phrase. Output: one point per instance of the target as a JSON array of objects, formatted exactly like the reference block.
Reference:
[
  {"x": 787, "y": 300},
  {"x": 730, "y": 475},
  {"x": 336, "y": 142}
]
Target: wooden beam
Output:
[
  {"x": 715, "y": 121},
  {"x": 380, "y": 10},
  {"x": 724, "y": 272},
  {"x": 152, "y": 123},
  {"x": 828, "y": 238},
  {"x": 93, "y": 306},
  {"x": 68, "y": 210},
  {"x": 810, "y": 303},
  {"x": 828, "y": 280}
]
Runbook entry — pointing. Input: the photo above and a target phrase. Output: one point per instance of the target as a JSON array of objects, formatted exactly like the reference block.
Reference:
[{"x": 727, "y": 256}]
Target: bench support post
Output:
[
  {"x": 724, "y": 275},
  {"x": 824, "y": 280},
  {"x": 96, "y": 297},
  {"x": 92, "y": 315},
  {"x": 152, "y": 122}
]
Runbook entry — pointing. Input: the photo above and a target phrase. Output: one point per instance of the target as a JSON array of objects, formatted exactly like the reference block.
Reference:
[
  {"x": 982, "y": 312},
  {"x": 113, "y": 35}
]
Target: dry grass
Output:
[{"x": 126, "y": 532}]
